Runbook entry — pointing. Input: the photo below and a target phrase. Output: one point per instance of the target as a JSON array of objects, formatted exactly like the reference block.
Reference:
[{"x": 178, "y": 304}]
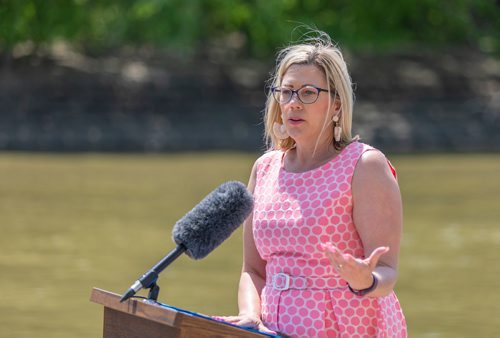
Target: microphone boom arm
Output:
[{"x": 148, "y": 280}]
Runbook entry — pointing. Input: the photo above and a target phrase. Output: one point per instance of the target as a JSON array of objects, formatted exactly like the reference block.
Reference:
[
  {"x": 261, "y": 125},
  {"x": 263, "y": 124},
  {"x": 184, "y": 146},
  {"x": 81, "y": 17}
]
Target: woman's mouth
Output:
[{"x": 294, "y": 121}]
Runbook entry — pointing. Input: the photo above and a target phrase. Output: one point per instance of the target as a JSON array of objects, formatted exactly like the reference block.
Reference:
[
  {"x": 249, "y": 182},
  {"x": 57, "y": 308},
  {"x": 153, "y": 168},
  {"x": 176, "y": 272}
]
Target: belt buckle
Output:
[{"x": 287, "y": 281}]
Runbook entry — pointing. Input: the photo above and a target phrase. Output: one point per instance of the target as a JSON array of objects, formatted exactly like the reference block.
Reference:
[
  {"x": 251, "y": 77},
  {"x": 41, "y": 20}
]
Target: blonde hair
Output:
[{"x": 322, "y": 53}]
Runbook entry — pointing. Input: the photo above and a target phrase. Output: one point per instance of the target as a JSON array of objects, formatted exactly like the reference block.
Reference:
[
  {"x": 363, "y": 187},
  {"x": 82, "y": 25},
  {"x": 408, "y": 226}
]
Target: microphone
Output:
[{"x": 202, "y": 229}]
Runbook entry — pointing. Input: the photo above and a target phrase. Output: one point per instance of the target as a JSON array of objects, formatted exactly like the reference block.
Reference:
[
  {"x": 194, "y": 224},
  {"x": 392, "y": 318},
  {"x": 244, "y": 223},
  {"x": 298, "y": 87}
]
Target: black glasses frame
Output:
[{"x": 275, "y": 90}]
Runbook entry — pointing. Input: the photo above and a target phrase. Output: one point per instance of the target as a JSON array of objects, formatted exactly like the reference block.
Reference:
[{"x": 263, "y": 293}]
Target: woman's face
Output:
[{"x": 304, "y": 122}]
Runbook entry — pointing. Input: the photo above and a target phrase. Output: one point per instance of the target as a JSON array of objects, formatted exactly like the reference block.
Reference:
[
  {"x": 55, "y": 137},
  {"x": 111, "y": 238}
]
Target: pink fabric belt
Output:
[{"x": 282, "y": 281}]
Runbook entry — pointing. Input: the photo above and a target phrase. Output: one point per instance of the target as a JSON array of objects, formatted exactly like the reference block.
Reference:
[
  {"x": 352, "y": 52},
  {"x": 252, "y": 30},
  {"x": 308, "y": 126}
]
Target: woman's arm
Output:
[
  {"x": 377, "y": 214},
  {"x": 253, "y": 274},
  {"x": 253, "y": 277}
]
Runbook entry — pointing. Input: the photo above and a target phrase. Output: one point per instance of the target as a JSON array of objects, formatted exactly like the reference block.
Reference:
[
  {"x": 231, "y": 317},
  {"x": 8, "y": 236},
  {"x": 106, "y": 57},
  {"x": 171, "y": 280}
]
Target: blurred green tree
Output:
[{"x": 257, "y": 27}]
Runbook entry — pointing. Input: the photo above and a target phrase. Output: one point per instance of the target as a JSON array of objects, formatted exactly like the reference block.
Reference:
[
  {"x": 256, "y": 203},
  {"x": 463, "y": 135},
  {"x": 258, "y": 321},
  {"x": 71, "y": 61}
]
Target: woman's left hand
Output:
[
  {"x": 355, "y": 271},
  {"x": 252, "y": 322}
]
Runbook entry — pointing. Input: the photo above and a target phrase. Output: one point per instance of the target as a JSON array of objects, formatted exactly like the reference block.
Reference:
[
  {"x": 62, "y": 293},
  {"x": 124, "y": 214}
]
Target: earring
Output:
[
  {"x": 337, "y": 130},
  {"x": 280, "y": 131}
]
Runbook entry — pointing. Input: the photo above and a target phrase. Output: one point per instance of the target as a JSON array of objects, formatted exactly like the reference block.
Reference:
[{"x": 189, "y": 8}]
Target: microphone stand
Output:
[
  {"x": 154, "y": 291},
  {"x": 148, "y": 280}
]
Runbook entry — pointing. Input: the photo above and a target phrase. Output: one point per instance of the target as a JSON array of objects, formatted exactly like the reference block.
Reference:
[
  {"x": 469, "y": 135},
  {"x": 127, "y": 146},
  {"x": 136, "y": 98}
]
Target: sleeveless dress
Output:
[{"x": 293, "y": 214}]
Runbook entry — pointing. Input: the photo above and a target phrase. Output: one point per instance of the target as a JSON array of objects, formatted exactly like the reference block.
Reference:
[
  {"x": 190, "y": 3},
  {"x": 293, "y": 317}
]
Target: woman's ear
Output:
[
  {"x": 337, "y": 130},
  {"x": 336, "y": 105}
]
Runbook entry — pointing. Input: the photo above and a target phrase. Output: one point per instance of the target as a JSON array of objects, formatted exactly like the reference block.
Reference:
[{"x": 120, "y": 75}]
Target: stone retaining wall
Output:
[{"x": 69, "y": 102}]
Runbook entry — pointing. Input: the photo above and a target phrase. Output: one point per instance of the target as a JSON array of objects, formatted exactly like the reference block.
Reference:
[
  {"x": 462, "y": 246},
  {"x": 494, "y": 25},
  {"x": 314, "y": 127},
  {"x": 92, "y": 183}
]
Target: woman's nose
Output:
[{"x": 295, "y": 101}]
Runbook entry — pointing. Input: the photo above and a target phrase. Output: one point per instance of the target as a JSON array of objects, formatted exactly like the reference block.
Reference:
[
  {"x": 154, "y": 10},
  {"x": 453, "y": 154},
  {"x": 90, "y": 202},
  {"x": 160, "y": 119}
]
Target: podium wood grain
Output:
[{"x": 135, "y": 318}]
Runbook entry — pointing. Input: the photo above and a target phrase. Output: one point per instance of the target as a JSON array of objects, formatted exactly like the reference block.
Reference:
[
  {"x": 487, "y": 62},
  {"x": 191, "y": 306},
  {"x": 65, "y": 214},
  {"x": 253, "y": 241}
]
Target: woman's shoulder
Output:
[
  {"x": 269, "y": 156},
  {"x": 267, "y": 160},
  {"x": 360, "y": 150},
  {"x": 373, "y": 160},
  {"x": 361, "y": 147}
]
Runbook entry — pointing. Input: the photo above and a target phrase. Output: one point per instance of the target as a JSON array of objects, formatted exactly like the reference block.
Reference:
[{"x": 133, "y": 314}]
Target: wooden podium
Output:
[{"x": 136, "y": 318}]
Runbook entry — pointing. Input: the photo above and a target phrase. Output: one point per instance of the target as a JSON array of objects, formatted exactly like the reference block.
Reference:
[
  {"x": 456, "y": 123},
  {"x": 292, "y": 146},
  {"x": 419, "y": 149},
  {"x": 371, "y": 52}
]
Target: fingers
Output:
[
  {"x": 245, "y": 322},
  {"x": 264, "y": 329},
  {"x": 375, "y": 256},
  {"x": 337, "y": 259},
  {"x": 340, "y": 260},
  {"x": 357, "y": 272},
  {"x": 227, "y": 319}
]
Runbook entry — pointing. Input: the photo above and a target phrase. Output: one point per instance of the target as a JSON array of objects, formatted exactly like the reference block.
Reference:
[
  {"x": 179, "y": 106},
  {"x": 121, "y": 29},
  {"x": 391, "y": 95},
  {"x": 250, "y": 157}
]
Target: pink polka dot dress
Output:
[{"x": 294, "y": 213}]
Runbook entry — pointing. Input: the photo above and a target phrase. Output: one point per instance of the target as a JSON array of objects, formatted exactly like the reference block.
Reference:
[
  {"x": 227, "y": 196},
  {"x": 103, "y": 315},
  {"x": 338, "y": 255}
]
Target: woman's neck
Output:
[{"x": 309, "y": 156}]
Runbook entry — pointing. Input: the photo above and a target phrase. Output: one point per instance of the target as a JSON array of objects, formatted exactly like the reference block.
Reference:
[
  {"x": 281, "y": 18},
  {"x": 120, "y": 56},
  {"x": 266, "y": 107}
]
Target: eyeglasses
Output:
[{"x": 306, "y": 94}]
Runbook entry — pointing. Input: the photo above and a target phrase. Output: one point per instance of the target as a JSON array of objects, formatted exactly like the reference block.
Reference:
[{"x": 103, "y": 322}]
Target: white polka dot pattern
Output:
[{"x": 293, "y": 214}]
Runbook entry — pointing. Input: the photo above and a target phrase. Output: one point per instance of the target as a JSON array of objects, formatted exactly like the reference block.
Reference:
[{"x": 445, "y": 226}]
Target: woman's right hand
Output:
[{"x": 249, "y": 321}]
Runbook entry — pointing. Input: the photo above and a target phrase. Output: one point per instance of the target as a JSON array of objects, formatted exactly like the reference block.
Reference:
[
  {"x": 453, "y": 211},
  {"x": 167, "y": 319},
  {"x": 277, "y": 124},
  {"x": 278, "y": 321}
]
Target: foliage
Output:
[{"x": 255, "y": 28}]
